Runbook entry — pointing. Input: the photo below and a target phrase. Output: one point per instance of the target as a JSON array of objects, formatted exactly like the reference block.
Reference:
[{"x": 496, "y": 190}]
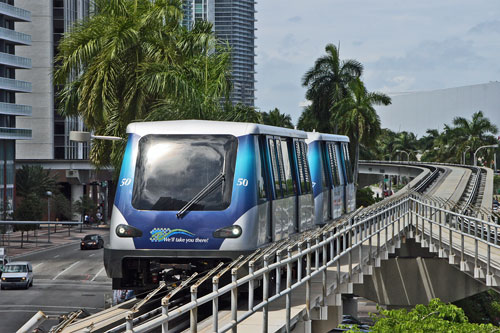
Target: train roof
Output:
[
  {"x": 210, "y": 127},
  {"x": 316, "y": 136}
]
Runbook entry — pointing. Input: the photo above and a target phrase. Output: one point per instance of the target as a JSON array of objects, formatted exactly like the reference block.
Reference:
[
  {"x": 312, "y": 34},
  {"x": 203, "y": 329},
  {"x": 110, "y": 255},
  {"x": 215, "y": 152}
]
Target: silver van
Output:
[{"x": 17, "y": 274}]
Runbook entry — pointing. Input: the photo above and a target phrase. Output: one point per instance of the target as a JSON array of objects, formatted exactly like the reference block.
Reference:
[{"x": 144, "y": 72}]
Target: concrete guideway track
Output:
[{"x": 348, "y": 250}]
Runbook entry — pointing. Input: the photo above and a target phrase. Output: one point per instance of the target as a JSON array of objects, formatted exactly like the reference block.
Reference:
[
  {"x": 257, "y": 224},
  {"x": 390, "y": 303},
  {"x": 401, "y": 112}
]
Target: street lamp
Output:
[
  {"x": 465, "y": 152},
  {"x": 49, "y": 194},
  {"x": 478, "y": 149},
  {"x": 407, "y": 155}
]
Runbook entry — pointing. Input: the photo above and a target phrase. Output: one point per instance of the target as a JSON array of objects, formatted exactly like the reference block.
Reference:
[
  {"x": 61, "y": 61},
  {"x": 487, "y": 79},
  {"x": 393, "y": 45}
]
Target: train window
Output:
[
  {"x": 172, "y": 169},
  {"x": 286, "y": 165},
  {"x": 305, "y": 179},
  {"x": 348, "y": 166},
  {"x": 300, "y": 164},
  {"x": 261, "y": 169},
  {"x": 332, "y": 154},
  {"x": 307, "y": 173},
  {"x": 274, "y": 164},
  {"x": 324, "y": 167}
]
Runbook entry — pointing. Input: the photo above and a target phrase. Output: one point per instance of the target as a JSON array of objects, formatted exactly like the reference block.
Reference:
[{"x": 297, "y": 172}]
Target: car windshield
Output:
[
  {"x": 89, "y": 237},
  {"x": 15, "y": 268},
  {"x": 172, "y": 169}
]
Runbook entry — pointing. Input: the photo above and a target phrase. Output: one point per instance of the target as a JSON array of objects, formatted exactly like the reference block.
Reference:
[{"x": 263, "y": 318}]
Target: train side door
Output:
[
  {"x": 265, "y": 191},
  {"x": 305, "y": 187},
  {"x": 283, "y": 208},
  {"x": 350, "y": 188},
  {"x": 337, "y": 180}
]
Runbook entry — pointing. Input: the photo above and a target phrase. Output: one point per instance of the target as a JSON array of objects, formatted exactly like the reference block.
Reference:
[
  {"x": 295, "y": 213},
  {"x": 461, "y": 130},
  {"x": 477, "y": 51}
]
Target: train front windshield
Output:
[{"x": 172, "y": 169}]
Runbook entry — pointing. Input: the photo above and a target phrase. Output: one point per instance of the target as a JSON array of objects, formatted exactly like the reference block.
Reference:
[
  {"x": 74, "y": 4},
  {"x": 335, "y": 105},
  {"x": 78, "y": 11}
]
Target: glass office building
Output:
[
  {"x": 9, "y": 109},
  {"x": 234, "y": 23}
]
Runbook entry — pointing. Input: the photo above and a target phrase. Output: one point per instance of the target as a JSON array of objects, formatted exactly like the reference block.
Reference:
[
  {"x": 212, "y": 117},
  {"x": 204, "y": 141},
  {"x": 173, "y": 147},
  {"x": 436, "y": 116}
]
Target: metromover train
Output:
[{"x": 193, "y": 193}]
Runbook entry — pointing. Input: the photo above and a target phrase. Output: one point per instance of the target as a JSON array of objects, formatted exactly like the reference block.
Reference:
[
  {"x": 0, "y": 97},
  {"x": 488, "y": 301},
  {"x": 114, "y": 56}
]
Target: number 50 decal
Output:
[
  {"x": 126, "y": 182},
  {"x": 242, "y": 182}
]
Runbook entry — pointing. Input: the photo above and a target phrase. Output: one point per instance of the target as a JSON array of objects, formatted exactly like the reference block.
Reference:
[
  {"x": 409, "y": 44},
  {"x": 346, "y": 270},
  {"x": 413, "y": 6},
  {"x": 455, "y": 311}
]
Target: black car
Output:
[{"x": 92, "y": 242}]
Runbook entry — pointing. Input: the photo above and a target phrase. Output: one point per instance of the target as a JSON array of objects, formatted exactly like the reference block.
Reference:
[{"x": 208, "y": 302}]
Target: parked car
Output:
[
  {"x": 348, "y": 322},
  {"x": 92, "y": 242},
  {"x": 17, "y": 274}
]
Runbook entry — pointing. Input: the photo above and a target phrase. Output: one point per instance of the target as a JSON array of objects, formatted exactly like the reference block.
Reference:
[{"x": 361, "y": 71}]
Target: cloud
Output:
[
  {"x": 357, "y": 43},
  {"x": 295, "y": 19},
  {"x": 486, "y": 27},
  {"x": 305, "y": 103}
]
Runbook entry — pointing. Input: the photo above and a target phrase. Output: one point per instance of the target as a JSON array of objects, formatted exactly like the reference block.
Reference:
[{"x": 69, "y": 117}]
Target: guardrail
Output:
[
  {"x": 332, "y": 243},
  {"x": 458, "y": 226}
]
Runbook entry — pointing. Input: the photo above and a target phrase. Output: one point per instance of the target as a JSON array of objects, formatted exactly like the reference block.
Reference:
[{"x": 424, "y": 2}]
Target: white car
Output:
[{"x": 17, "y": 274}]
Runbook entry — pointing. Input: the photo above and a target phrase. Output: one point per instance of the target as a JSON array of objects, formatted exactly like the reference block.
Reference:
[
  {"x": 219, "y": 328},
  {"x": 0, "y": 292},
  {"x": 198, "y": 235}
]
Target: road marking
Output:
[
  {"x": 97, "y": 274},
  {"x": 56, "y": 256},
  {"x": 93, "y": 254},
  {"x": 55, "y": 277},
  {"x": 37, "y": 265}
]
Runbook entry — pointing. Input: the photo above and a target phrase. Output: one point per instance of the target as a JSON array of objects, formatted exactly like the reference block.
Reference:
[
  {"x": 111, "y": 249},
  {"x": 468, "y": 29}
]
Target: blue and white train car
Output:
[
  {"x": 192, "y": 193},
  {"x": 331, "y": 173}
]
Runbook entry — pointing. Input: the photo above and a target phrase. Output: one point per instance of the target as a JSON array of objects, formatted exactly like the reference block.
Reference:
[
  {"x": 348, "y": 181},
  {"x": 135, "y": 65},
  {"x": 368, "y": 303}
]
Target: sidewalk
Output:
[{"x": 12, "y": 242}]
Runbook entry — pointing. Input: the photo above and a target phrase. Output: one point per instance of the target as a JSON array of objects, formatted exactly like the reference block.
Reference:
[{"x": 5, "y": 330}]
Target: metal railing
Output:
[
  {"x": 15, "y": 109},
  {"x": 15, "y": 36},
  {"x": 14, "y": 61},
  {"x": 453, "y": 228},
  {"x": 15, "y": 12},
  {"x": 15, "y": 85},
  {"x": 377, "y": 229}
]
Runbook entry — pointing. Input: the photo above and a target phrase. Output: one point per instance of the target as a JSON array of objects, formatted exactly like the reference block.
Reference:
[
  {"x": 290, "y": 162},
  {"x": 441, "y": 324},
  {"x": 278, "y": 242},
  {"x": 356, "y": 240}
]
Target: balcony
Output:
[
  {"x": 18, "y": 14},
  {"x": 14, "y": 61},
  {"x": 7, "y": 133},
  {"x": 15, "y": 85},
  {"x": 15, "y": 109},
  {"x": 15, "y": 37}
]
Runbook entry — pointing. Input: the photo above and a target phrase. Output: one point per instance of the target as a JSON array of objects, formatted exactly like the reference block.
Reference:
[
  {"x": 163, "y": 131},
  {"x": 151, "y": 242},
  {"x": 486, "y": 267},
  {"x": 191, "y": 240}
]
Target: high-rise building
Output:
[
  {"x": 10, "y": 40},
  {"x": 234, "y": 23},
  {"x": 50, "y": 146}
]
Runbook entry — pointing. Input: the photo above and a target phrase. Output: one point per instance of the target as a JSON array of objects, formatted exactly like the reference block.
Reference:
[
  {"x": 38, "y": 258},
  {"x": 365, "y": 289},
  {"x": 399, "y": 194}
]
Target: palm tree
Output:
[
  {"x": 327, "y": 83},
  {"x": 34, "y": 180},
  {"x": 276, "y": 118},
  {"x": 478, "y": 131},
  {"x": 357, "y": 118},
  {"x": 307, "y": 120},
  {"x": 132, "y": 61},
  {"x": 406, "y": 141}
]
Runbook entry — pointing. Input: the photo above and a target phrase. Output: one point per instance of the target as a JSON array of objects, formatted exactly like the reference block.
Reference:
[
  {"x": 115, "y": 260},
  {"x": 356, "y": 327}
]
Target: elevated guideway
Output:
[{"x": 307, "y": 282}]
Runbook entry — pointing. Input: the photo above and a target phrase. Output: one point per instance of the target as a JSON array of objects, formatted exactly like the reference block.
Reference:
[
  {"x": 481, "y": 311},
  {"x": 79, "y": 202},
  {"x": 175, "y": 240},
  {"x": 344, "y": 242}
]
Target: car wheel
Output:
[
  {"x": 2, "y": 287},
  {"x": 31, "y": 283},
  {"x": 27, "y": 285}
]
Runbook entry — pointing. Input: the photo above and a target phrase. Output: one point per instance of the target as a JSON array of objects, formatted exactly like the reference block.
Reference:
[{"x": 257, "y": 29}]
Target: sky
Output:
[{"x": 403, "y": 45}]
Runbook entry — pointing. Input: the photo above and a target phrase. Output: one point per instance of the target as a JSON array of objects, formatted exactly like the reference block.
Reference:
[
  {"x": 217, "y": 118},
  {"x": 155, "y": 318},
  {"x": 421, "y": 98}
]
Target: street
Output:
[{"x": 65, "y": 279}]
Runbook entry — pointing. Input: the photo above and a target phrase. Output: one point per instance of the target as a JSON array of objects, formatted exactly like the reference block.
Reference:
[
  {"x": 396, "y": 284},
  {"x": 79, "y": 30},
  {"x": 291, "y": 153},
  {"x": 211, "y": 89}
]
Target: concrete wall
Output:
[
  {"x": 414, "y": 276},
  {"x": 41, "y": 99}
]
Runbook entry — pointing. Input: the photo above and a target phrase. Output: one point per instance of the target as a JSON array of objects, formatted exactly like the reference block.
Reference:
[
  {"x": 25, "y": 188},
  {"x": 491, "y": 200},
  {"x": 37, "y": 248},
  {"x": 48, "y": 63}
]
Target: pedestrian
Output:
[{"x": 86, "y": 219}]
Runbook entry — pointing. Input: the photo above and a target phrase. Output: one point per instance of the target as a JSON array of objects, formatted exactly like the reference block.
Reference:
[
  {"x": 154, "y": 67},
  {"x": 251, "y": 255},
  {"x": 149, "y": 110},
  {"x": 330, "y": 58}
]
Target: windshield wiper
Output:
[{"x": 214, "y": 183}]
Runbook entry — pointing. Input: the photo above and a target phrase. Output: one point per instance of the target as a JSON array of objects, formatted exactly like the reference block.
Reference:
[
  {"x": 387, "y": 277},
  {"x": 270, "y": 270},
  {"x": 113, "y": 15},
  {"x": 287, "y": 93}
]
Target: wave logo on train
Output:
[{"x": 166, "y": 234}]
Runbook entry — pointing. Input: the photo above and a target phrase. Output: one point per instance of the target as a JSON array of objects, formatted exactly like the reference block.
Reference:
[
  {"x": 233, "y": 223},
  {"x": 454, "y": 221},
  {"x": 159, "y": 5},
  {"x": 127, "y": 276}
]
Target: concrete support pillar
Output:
[
  {"x": 76, "y": 194},
  {"x": 334, "y": 320},
  {"x": 349, "y": 306}
]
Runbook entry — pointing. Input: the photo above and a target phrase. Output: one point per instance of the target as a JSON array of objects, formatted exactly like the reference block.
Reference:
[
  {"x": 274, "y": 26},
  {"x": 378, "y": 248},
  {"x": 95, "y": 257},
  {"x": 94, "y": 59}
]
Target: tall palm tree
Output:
[
  {"x": 477, "y": 132},
  {"x": 406, "y": 141},
  {"x": 34, "y": 180},
  {"x": 276, "y": 118},
  {"x": 307, "y": 120},
  {"x": 327, "y": 83},
  {"x": 357, "y": 118},
  {"x": 133, "y": 60}
]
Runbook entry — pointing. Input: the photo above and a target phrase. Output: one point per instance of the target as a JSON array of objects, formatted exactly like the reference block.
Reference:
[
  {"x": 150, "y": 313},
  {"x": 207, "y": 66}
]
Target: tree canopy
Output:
[
  {"x": 434, "y": 317},
  {"x": 134, "y": 60}
]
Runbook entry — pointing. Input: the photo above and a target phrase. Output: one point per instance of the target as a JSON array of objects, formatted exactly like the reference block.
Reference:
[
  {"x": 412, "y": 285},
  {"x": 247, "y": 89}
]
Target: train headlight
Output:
[
  {"x": 123, "y": 230},
  {"x": 233, "y": 231}
]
